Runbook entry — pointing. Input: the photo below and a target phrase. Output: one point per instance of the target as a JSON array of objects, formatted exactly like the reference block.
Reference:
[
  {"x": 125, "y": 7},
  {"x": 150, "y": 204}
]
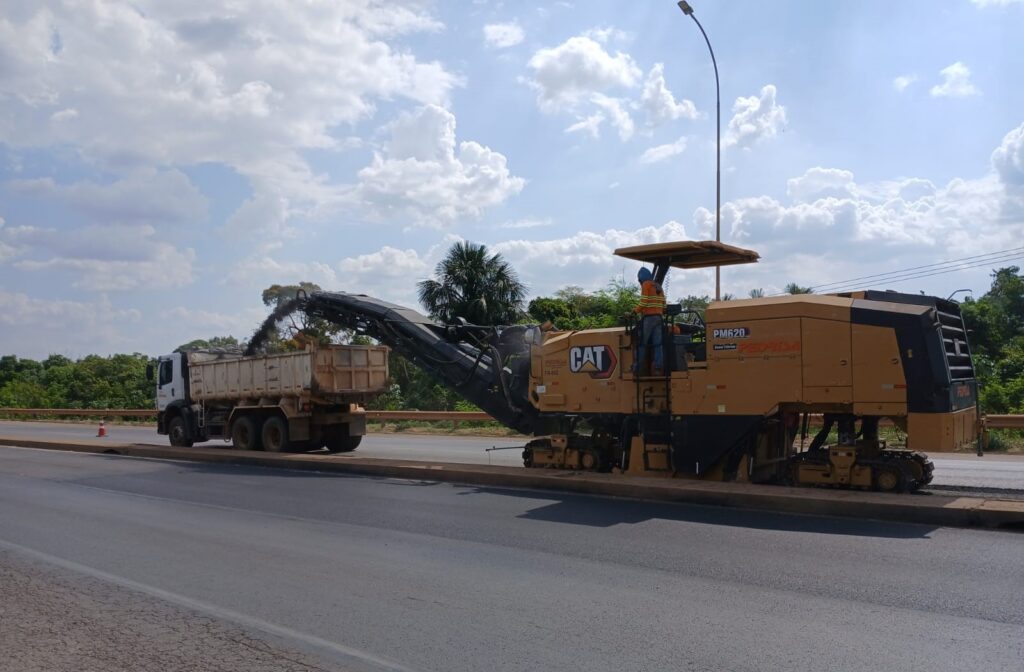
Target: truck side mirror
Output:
[{"x": 149, "y": 372}]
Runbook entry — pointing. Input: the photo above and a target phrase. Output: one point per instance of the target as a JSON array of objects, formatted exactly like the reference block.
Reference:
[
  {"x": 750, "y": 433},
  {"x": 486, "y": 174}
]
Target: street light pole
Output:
[{"x": 688, "y": 11}]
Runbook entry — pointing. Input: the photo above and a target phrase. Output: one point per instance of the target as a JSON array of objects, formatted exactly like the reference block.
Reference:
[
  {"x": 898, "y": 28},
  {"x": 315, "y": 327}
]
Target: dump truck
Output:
[
  {"x": 742, "y": 384},
  {"x": 308, "y": 399}
]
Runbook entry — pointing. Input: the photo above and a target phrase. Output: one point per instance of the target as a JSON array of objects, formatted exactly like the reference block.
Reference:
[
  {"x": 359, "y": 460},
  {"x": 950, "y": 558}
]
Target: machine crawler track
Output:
[{"x": 908, "y": 471}]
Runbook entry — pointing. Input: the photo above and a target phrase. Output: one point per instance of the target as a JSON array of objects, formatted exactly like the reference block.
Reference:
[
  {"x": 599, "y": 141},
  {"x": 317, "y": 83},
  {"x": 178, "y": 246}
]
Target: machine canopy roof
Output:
[{"x": 689, "y": 254}]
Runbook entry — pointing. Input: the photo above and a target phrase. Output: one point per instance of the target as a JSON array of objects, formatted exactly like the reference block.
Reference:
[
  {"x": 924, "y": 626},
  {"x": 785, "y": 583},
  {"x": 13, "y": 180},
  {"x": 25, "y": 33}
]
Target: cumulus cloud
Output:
[
  {"x": 156, "y": 84},
  {"x": 1008, "y": 158},
  {"x": 617, "y": 114},
  {"x": 956, "y": 82},
  {"x": 586, "y": 257},
  {"x": 263, "y": 270},
  {"x": 576, "y": 69},
  {"x": 659, "y": 103},
  {"x": 503, "y": 35},
  {"x": 425, "y": 175},
  {"x": 901, "y": 82},
  {"x": 755, "y": 118},
  {"x": 662, "y": 152},
  {"x": 819, "y": 183}
]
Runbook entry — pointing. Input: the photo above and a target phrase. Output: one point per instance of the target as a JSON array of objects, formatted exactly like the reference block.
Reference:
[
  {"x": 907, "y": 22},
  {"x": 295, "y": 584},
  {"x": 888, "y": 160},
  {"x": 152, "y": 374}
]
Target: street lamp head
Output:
[{"x": 685, "y": 6}]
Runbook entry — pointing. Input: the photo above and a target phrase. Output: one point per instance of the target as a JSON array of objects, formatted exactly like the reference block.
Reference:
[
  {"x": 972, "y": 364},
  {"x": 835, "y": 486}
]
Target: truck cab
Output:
[{"x": 170, "y": 380}]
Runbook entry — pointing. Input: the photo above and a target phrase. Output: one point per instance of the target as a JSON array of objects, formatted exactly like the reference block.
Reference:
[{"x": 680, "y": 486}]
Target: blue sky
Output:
[{"x": 161, "y": 163}]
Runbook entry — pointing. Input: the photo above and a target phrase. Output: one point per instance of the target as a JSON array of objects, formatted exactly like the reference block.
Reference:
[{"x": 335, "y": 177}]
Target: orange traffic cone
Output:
[{"x": 102, "y": 431}]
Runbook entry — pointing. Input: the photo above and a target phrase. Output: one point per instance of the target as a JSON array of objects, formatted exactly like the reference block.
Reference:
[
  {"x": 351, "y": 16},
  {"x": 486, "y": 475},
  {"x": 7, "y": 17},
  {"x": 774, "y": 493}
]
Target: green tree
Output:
[
  {"x": 756, "y": 293},
  {"x": 470, "y": 283},
  {"x": 995, "y": 328},
  {"x": 793, "y": 288}
]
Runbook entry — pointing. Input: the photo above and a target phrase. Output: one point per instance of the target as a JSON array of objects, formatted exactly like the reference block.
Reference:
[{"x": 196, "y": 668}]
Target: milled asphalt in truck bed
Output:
[
  {"x": 961, "y": 470},
  {"x": 441, "y": 577}
]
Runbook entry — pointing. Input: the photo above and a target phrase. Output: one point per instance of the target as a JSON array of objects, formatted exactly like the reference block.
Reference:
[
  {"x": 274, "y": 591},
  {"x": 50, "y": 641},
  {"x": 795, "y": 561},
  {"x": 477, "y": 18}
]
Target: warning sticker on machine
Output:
[
  {"x": 732, "y": 332},
  {"x": 725, "y": 346}
]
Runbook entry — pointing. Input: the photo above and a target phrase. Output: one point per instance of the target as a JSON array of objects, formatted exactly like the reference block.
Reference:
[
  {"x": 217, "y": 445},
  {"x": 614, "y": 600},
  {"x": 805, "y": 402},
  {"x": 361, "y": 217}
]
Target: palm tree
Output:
[
  {"x": 757, "y": 293},
  {"x": 793, "y": 288},
  {"x": 471, "y": 284}
]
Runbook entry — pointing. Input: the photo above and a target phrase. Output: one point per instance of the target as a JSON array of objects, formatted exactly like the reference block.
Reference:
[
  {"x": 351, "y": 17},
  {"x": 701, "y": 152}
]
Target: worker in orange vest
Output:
[{"x": 651, "y": 307}]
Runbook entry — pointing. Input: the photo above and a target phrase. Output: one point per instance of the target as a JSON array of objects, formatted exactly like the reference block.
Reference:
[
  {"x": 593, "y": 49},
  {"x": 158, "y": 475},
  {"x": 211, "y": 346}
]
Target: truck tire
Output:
[
  {"x": 342, "y": 444},
  {"x": 177, "y": 432},
  {"x": 275, "y": 435},
  {"x": 244, "y": 434}
]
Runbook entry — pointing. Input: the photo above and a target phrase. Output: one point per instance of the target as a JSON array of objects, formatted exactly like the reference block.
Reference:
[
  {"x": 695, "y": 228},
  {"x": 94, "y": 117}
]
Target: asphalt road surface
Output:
[
  {"x": 377, "y": 574},
  {"x": 1004, "y": 472}
]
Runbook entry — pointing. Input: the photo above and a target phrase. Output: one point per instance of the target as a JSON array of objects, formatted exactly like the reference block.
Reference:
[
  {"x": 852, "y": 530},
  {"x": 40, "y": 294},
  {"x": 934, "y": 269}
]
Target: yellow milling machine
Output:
[{"x": 742, "y": 386}]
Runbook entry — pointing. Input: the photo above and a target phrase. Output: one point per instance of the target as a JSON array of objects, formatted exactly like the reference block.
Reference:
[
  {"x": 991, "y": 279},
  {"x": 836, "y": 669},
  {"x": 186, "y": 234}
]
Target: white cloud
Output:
[
  {"x": 525, "y": 224},
  {"x": 819, "y": 183},
  {"x": 996, "y": 3},
  {"x": 28, "y": 325},
  {"x": 420, "y": 175},
  {"x": 586, "y": 258},
  {"x": 64, "y": 115},
  {"x": 263, "y": 216},
  {"x": 606, "y": 34},
  {"x": 956, "y": 82},
  {"x": 503, "y": 35},
  {"x": 755, "y": 118},
  {"x": 659, "y": 103},
  {"x": 143, "y": 196},
  {"x": 576, "y": 69},
  {"x": 618, "y": 115},
  {"x": 158, "y": 84},
  {"x": 388, "y": 273},
  {"x": 662, "y": 152},
  {"x": 1008, "y": 158},
  {"x": 590, "y": 125},
  {"x": 264, "y": 270},
  {"x": 901, "y": 82}
]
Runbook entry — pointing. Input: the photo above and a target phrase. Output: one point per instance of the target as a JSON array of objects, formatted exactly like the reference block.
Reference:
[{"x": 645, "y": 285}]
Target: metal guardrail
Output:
[
  {"x": 991, "y": 421},
  {"x": 1004, "y": 421},
  {"x": 423, "y": 416}
]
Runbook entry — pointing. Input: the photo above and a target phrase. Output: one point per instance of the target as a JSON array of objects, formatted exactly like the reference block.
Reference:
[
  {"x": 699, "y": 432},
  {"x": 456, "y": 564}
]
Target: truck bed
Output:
[{"x": 335, "y": 373}]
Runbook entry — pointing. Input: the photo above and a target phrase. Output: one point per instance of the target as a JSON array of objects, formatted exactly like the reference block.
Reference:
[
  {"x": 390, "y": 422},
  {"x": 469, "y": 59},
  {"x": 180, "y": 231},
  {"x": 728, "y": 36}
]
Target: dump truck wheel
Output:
[
  {"x": 177, "y": 433},
  {"x": 275, "y": 435},
  {"x": 343, "y": 444},
  {"x": 244, "y": 435}
]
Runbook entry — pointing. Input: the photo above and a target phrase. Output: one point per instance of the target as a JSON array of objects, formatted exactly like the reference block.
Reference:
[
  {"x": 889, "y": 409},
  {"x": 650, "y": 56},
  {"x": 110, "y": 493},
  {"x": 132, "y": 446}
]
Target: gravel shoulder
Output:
[{"x": 54, "y": 620}]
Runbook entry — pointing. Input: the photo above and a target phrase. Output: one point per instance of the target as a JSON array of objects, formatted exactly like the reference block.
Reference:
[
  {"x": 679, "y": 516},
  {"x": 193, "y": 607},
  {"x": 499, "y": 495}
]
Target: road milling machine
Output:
[{"x": 788, "y": 389}]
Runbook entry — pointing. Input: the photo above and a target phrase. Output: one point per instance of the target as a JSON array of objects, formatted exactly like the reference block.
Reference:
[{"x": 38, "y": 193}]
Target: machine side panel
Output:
[
  {"x": 826, "y": 353},
  {"x": 582, "y": 372},
  {"x": 753, "y": 366},
  {"x": 877, "y": 370}
]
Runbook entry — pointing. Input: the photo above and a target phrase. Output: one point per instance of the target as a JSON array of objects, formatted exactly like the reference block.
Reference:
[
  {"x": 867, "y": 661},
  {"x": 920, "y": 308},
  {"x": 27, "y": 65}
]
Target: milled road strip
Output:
[
  {"x": 48, "y": 621},
  {"x": 951, "y": 511}
]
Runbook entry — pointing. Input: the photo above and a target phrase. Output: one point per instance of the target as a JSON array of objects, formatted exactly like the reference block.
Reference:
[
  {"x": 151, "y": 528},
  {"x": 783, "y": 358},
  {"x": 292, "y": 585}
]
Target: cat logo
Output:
[{"x": 597, "y": 360}]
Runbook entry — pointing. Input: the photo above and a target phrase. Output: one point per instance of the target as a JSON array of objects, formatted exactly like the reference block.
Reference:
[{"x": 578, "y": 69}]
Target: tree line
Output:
[{"x": 484, "y": 289}]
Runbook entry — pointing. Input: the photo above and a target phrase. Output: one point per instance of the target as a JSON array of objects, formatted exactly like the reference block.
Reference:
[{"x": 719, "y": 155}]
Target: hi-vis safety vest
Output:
[{"x": 652, "y": 299}]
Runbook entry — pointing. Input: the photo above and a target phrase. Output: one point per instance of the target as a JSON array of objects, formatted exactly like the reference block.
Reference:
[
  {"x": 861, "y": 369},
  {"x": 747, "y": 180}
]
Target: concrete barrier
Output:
[{"x": 923, "y": 509}]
